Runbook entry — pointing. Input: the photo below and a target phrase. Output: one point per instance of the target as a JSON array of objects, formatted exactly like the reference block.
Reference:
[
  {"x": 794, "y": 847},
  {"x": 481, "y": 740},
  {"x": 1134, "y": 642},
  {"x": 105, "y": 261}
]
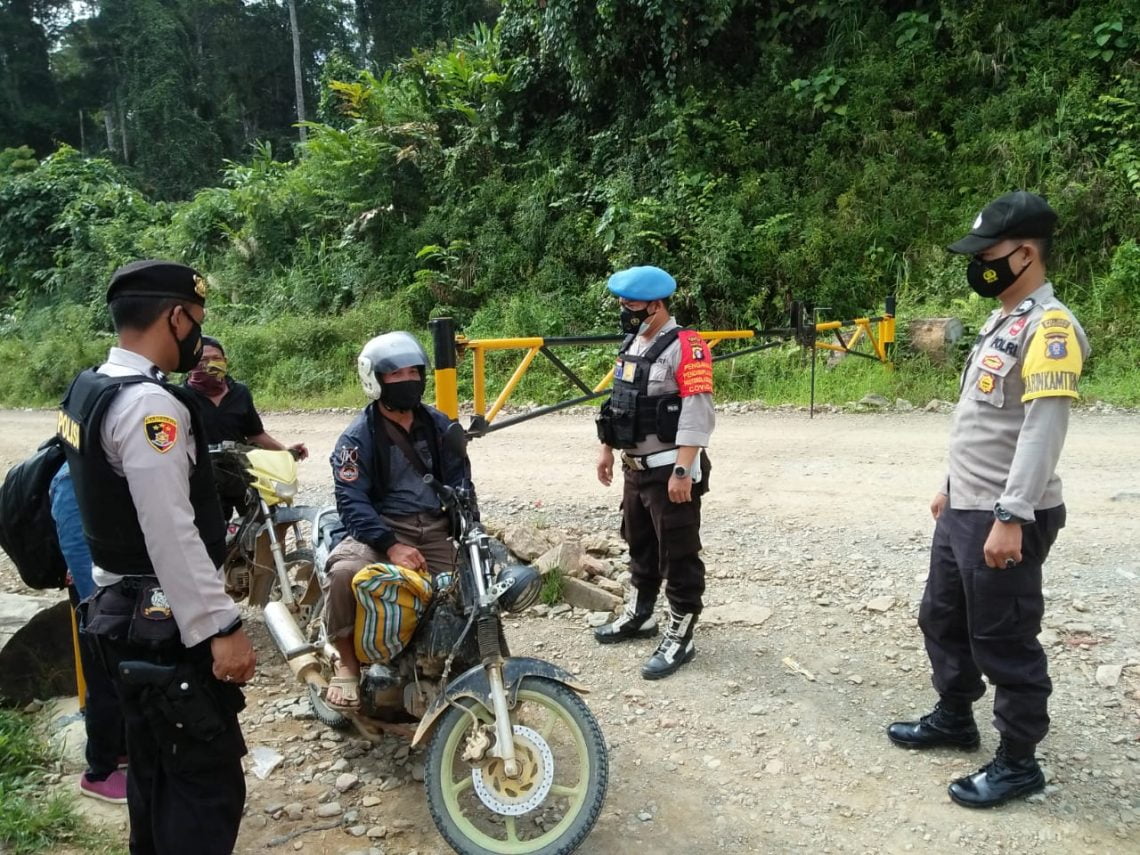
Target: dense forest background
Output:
[{"x": 342, "y": 167}]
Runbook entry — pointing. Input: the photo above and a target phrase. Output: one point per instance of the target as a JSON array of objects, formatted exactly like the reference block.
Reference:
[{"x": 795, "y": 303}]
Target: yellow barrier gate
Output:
[{"x": 878, "y": 332}]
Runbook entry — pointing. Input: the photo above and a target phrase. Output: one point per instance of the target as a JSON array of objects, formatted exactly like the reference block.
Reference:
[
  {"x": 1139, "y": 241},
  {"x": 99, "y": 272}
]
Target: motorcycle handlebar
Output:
[{"x": 444, "y": 492}]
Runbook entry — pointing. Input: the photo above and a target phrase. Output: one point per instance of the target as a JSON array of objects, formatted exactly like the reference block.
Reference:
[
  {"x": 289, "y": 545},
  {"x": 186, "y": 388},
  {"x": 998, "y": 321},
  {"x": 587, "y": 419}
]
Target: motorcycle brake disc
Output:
[{"x": 517, "y": 796}]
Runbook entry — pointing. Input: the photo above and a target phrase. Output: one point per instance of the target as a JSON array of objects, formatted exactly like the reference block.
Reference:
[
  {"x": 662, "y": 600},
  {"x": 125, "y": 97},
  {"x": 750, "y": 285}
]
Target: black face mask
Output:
[
  {"x": 631, "y": 320},
  {"x": 990, "y": 278},
  {"x": 402, "y": 395},
  {"x": 189, "y": 348}
]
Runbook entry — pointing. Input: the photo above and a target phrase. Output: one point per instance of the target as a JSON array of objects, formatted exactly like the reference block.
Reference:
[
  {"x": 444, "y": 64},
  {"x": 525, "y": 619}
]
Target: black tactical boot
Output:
[
  {"x": 636, "y": 620},
  {"x": 1012, "y": 773},
  {"x": 945, "y": 727},
  {"x": 676, "y": 647}
]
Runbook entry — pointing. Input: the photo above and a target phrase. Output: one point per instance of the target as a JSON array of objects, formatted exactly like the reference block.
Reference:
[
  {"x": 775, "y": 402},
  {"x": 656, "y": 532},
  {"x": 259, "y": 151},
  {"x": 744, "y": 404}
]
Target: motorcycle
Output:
[
  {"x": 515, "y": 762},
  {"x": 269, "y": 549}
]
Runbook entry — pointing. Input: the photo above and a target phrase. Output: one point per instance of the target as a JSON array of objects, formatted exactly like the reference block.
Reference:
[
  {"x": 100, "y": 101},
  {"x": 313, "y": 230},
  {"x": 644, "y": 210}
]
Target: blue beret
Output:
[{"x": 642, "y": 283}]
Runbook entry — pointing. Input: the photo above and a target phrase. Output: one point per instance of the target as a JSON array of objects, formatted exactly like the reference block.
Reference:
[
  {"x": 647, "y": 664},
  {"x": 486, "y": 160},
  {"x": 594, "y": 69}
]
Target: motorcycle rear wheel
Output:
[
  {"x": 551, "y": 808},
  {"x": 325, "y": 714}
]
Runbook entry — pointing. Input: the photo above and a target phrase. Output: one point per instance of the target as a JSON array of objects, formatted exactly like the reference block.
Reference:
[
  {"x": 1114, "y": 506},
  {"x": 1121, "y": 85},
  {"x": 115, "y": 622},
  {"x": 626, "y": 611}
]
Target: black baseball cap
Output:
[
  {"x": 1017, "y": 214},
  {"x": 160, "y": 279}
]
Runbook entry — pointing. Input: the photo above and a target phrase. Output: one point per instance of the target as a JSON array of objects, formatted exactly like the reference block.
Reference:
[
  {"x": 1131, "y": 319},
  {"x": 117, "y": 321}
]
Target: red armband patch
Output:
[{"x": 695, "y": 371}]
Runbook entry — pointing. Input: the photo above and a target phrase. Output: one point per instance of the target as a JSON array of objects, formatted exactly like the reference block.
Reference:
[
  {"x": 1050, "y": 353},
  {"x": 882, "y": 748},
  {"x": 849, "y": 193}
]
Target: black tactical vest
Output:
[
  {"x": 631, "y": 414},
  {"x": 110, "y": 520}
]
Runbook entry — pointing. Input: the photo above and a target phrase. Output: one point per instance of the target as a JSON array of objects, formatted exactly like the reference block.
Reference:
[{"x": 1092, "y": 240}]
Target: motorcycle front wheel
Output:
[{"x": 548, "y": 809}]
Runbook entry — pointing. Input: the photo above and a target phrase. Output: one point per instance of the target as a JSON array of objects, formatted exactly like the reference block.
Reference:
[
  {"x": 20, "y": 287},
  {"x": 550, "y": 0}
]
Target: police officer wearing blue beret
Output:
[
  {"x": 169, "y": 635},
  {"x": 660, "y": 416}
]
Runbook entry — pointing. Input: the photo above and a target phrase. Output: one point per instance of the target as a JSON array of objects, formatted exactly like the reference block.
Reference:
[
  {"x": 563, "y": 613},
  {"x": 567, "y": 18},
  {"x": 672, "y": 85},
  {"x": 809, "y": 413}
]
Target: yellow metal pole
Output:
[
  {"x": 479, "y": 381},
  {"x": 80, "y": 680},
  {"x": 512, "y": 383}
]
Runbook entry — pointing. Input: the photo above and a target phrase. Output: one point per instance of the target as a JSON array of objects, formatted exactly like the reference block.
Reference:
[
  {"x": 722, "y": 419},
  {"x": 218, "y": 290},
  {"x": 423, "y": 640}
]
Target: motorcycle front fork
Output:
[
  {"x": 504, "y": 732},
  {"x": 278, "y": 551}
]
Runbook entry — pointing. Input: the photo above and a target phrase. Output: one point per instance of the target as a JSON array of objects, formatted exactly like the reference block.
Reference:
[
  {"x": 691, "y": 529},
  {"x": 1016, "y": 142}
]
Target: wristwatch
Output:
[
  {"x": 1002, "y": 515},
  {"x": 680, "y": 472},
  {"x": 229, "y": 630}
]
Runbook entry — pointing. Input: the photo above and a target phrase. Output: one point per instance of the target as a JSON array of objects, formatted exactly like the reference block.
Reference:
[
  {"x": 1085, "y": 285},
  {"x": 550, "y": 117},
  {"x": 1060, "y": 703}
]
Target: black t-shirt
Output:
[{"x": 234, "y": 418}]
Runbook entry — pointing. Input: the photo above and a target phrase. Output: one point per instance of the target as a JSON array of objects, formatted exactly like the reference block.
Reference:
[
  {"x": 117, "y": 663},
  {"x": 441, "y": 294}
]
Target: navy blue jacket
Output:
[{"x": 360, "y": 477}]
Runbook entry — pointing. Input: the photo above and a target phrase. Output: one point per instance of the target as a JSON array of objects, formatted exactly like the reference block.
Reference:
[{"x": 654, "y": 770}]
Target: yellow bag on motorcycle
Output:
[{"x": 390, "y": 600}]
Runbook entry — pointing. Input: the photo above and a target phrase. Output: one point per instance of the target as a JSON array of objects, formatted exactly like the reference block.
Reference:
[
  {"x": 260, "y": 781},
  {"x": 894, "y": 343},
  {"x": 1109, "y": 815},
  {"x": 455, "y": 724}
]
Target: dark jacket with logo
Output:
[{"x": 361, "y": 473}]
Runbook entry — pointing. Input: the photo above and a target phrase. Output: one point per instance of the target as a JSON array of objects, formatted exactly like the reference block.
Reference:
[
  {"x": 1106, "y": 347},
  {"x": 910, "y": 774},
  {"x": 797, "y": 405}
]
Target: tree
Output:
[
  {"x": 29, "y": 104},
  {"x": 298, "y": 76}
]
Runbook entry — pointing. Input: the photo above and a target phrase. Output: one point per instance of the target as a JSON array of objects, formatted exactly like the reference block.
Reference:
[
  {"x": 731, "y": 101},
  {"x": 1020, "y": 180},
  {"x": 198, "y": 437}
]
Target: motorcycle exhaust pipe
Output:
[{"x": 287, "y": 636}]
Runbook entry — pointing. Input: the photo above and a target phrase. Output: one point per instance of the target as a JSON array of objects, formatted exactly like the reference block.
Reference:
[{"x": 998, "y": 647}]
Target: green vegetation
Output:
[
  {"x": 551, "y": 592},
  {"x": 34, "y": 818},
  {"x": 761, "y": 152}
]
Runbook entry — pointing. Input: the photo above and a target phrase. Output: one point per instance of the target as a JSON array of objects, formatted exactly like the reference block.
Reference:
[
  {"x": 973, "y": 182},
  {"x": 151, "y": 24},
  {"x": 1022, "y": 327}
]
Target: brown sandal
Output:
[{"x": 349, "y": 687}]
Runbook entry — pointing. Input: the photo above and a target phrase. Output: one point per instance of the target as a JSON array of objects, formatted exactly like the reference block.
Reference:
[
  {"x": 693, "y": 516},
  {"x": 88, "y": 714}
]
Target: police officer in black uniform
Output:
[
  {"x": 660, "y": 416},
  {"x": 168, "y": 634}
]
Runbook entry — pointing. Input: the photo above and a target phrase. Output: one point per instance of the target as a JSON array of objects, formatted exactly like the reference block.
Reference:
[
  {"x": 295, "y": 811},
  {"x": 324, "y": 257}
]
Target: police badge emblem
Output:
[
  {"x": 157, "y": 607},
  {"x": 1056, "y": 345}
]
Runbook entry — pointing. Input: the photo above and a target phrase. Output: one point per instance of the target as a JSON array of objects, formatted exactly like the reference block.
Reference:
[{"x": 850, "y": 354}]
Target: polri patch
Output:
[{"x": 161, "y": 432}]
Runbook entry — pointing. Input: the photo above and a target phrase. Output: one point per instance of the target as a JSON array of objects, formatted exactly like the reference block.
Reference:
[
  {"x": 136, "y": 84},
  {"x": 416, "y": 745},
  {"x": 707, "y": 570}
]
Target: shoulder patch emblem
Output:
[
  {"x": 1054, "y": 362},
  {"x": 994, "y": 363},
  {"x": 694, "y": 372},
  {"x": 346, "y": 463},
  {"x": 986, "y": 383},
  {"x": 161, "y": 432}
]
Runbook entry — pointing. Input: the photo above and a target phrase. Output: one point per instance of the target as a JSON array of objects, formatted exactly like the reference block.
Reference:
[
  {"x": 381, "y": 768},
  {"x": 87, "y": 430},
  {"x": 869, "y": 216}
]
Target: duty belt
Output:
[{"x": 649, "y": 461}]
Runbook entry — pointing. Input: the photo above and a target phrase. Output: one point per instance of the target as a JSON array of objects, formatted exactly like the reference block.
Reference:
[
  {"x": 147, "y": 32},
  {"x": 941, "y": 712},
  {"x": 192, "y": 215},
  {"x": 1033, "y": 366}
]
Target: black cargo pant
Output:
[
  {"x": 979, "y": 620},
  {"x": 664, "y": 538},
  {"x": 185, "y": 796},
  {"x": 185, "y": 784}
]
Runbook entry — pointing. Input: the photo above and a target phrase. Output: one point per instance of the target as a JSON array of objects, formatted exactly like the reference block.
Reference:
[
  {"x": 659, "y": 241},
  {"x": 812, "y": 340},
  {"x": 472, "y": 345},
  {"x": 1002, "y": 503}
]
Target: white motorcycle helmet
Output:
[{"x": 389, "y": 352}]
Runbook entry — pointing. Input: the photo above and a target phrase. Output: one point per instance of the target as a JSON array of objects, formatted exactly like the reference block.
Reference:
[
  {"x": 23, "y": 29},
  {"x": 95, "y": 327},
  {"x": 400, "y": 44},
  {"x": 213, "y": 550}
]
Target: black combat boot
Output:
[
  {"x": 636, "y": 620},
  {"x": 1012, "y": 773},
  {"x": 946, "y": 727},
  {"x": 676, "y": 647}
]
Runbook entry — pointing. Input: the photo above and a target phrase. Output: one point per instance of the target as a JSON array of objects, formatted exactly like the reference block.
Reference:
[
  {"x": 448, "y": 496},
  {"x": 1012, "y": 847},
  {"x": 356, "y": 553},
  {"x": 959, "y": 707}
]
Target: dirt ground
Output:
[{"x": 738, "y": 752}]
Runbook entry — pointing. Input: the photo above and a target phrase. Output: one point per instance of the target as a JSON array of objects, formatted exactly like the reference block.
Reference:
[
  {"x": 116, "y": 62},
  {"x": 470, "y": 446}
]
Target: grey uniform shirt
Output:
[
  {"x": 697, "y": 416},
  {"x": 1010, "y": 423},
  {"x": 159, "y": 482}
]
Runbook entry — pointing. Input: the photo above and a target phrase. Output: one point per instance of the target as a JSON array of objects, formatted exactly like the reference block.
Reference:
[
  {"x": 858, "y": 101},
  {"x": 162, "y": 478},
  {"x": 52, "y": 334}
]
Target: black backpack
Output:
[{"x": 27, "y": 530}]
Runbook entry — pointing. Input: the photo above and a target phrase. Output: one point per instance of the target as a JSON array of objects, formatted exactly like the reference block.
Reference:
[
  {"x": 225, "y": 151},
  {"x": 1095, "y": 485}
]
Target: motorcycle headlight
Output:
[
  {"x": 285, "y": 490},
  {"x": 524, "y": 592}
]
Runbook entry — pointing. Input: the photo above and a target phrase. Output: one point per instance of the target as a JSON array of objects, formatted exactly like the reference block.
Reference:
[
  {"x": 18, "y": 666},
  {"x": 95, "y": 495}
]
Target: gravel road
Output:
[{"x": 741, "y": 752}]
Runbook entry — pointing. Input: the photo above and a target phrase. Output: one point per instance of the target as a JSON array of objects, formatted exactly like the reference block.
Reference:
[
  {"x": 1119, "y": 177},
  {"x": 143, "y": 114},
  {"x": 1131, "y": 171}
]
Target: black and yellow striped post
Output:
[{"x": 446, "y": 383}]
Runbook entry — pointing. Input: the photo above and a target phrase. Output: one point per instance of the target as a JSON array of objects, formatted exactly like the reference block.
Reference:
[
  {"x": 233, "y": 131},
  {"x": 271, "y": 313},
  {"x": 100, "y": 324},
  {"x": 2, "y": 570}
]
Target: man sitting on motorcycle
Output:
[{"x": 389, "y": 514}]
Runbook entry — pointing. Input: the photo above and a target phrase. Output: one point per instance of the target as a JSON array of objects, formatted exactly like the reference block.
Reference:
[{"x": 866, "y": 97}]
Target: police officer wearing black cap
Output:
[
  {"x": 1000, "y": 508},
  {"x": 168, "y": 633}
]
